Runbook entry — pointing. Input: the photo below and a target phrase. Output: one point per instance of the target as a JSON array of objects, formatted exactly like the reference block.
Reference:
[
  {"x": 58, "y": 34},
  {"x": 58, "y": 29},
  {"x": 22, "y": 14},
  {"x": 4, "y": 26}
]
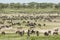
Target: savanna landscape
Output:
[{"x": 29, "y": 21}]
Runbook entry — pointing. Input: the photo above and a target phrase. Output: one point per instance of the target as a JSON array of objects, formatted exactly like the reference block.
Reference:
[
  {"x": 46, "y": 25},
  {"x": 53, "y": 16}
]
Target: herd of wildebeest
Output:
[
  {"x": 27, "y": 23},
  {"x": 29, "y": 32}
]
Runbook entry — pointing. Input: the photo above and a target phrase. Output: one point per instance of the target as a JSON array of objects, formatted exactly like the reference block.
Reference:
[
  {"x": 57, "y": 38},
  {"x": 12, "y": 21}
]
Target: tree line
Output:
[{"x": 29, "y": 5}]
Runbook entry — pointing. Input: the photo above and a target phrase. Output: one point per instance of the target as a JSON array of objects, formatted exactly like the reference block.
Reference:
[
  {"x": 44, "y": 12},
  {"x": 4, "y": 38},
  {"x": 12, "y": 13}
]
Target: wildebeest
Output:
[
  {"x": 7, "y": 26},
  {"x": 39, "y": 24},
  {"x": 3, "y": 33},
  {"x": 24, "y": 22},
  {"x": 23, "y": 32},
  {"x": 28, "y": 33},
  {"x": 46, "y": 34},
  {"x": 37, "y": 32},
  {"x": 44, "y": 24},
  {"x": 56, "y": 29},
  {"x": 49, "y": 32},
  {"x": 55, "y": 33},
  {"x": 28, "y": 21},
  {"x": 31, "y": 24},
  {"x": 17, "y": 32},
  {"x": 32, "y": 31},
  {"x": 34, "y": 23},
  {"x": 20, "y": 33},
  {"x": 1, "y": 22},
  {"x": 18, "y": 23},
  {"x": 2, "y": 26}
]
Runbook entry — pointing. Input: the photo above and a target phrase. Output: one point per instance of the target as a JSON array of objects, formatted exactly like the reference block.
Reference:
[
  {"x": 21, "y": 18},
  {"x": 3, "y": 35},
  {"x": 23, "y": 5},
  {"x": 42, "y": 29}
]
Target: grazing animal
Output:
[
  {"x": 34, "y": 23},
  {"x": 37, "y": 32},
  {"x": 39, "y": 24},
  {"x": 17, "y": 32},
  {"x": 55, "y": 33},
  {"x": 49, "y": 32},
  {"x": 28, "y": 33},
  {"x": 31, "y": 24},
  {"x": 46, "y": 34},
  {"x": 7, "y": 26},
  {"x": 24, "y": 22},
  {"x": 56, "y": 29},
  {"x": 2, "y": 26},
  {"x": 28, "y": 21},
  {"x": 21, "y": 33},
  {"x": 32, "y": 31},
  {"x": 44, "y": 24},
  {"x": 3, "y": 33}
]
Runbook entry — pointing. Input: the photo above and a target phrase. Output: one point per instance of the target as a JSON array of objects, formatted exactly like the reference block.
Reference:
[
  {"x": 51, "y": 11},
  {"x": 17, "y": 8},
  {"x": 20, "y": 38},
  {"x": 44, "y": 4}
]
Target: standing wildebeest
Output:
[
  {"x": 28, "y": 33},
  {"x": 23, "y": 32},
  {"x": 39, "y": 24},
  {"x": 32, "y": 31},
  {"x": 30, "y": 24},
  {"x": 7, "y": 26},
  {"x": 55, "y": 33},
  {"x": 44, "y": 24},
  {"x": 46, "y": 34},
  {"x": 1, "y": 22},
  {"x": 24, "y": 22},
  {"x": 17, "y": 32},
  {"x": 34, "y": 23},
  {"x": 20, "y": 33},
  {"x": 49, "y": 32},
  {"x": 37, "y": 32},
  {"x": 3, "y": 33},
  {"x": 28, "y": 21},
  {"x": 56, "y": 29}
]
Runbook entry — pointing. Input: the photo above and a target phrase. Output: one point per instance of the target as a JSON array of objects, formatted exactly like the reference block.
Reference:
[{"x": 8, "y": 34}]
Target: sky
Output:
[{"x": 27, "y": 1}]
